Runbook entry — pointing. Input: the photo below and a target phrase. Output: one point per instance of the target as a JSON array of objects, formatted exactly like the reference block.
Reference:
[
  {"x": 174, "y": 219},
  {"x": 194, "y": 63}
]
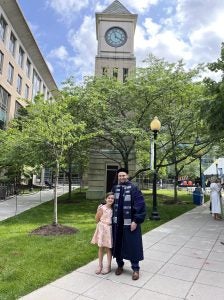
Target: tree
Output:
[
  {"x": 125, "y": 112},
  {"x": 12, "y": 155},
  {"x": 46, "y": 132},
  {"x": 179, "y": 113},
  {"x": 163, "y": 89},
  {"x": 82, "y": 109},
  {"x": 213, "y": 108}
]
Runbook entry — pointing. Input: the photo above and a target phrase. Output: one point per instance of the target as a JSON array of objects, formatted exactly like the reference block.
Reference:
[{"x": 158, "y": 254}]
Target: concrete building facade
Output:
[
  {"x": 23, "y": 70},
  {"x": 115, "y": 28}
]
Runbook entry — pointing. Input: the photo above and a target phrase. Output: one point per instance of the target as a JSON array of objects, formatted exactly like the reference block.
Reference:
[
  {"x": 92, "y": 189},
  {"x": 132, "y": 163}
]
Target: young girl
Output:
[{"x": 103, "y": 234}]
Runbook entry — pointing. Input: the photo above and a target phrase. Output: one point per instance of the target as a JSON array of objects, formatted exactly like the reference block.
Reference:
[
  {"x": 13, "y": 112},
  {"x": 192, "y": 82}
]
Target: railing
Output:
[
  {"x": 6, "y": 190},
  {"x": 144, "y": 183}
]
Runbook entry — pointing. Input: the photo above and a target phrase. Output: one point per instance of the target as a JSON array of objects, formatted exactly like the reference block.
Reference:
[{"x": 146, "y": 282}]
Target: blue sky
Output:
[{"x": 191, "y": 30}]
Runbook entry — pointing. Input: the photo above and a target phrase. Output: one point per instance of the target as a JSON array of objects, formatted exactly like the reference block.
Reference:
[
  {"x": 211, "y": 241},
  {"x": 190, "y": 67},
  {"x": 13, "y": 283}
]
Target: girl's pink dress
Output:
[{"x": 103, "y": 234}]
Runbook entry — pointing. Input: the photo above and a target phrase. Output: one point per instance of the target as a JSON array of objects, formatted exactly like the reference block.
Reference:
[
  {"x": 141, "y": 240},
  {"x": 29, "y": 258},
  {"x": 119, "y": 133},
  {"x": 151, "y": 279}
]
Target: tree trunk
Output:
[
  {"x": 175, "y": 183},
  {"x": 70, "y": 181},
  {"x": 55, "y": 222}
]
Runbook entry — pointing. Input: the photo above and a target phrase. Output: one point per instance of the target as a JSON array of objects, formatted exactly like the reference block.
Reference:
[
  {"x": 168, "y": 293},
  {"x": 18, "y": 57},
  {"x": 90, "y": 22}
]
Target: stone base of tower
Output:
[{"x": 102, "y": 172}]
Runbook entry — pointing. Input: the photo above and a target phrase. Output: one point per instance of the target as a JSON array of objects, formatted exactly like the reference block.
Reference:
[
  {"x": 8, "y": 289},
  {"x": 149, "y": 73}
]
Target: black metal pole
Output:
[
  {"x": 155, "y": 214},
  {"x": 200, "y": 172}
]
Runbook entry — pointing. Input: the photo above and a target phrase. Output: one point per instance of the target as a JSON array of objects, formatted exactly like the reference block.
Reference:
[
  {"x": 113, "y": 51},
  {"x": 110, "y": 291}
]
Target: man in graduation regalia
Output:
[{"x": 129, "y": 212}]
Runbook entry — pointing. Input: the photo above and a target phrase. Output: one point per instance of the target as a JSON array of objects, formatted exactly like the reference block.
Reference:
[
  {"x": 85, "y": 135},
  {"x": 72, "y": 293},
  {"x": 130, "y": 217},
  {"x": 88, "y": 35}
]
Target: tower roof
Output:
[{"x": 116, "y": 8}]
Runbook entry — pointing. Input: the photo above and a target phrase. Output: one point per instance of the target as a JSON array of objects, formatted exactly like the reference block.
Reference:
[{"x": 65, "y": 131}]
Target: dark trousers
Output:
[{"x": 134, "y": 264}]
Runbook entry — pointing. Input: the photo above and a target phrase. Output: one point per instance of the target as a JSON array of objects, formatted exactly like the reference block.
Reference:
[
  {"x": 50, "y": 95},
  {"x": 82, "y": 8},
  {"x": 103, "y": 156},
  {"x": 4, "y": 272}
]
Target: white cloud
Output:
[
  {"x": 59, "y": 53},
  {"x": 161, "y": 45},
  {"x": 133, "y": 6},
  {"x": 193, "y": 14},
  {"x": 171, "y": 29},
  {"x": 83, "y": 42},
  {"x": 201, "y": 23},
  {"x": 140, "y": 5},
  {"x": 67, "y": 8},
  {"x": 152, "y": 28},
  {"x": 79, "y": 60},
  {"x": 193, "y": 32}
]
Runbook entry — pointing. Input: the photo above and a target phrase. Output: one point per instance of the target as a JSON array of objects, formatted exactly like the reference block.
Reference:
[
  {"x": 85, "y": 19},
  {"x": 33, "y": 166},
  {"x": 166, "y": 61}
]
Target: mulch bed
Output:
[{"x": 58, "y": 229}]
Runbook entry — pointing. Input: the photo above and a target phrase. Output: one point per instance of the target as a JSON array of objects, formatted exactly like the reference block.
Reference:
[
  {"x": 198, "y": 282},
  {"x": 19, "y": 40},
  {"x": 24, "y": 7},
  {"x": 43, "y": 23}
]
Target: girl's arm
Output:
[{"x": 99, "y": 213}]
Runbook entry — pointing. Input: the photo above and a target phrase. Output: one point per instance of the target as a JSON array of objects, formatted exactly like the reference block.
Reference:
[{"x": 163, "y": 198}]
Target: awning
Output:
[{"x": 217, "y": 168}]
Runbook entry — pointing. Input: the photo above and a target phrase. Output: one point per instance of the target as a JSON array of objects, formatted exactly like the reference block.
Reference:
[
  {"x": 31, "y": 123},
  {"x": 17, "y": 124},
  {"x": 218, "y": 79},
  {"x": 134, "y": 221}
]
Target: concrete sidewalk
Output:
[
  {"x": 17, "y": 204},
  {"x": 184, "y": 259}
]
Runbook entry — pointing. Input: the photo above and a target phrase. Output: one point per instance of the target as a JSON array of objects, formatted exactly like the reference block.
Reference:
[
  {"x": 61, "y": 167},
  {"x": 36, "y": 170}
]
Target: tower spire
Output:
[{"x": 116, "y": 8}]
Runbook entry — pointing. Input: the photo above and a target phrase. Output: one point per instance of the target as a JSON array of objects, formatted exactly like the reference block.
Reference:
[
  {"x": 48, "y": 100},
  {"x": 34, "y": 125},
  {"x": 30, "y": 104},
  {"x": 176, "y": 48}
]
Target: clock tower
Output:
[{"x": 115, "y": 28}]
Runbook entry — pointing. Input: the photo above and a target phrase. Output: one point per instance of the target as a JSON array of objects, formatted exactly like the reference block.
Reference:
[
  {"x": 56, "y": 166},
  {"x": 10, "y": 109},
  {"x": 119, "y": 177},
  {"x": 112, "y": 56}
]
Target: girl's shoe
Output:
[
  {"x": 98, "y": 270},
  {"x": 106, "y": 270}
]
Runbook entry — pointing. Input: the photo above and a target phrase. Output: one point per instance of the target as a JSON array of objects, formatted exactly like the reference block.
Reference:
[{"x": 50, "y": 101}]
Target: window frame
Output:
[
  {"x": 125, "y": 74},
  {"x": 12, "y": 43},
  {"x": 115, "y": 73},
  {"x": 3, "y": 26},
  {"x": 26, "y": 91},
  {"x": 36, "y": 84},
  {"x": 10, "y": 75},
  {"x": 19, "y": 84},
  {"x": 1, "y": 61},
  {"x": 21, "y": 56},
  {"x": 17, "y": 107},
  {"x": 4, "y": 105},
  {"x": 28, "y": 68}
]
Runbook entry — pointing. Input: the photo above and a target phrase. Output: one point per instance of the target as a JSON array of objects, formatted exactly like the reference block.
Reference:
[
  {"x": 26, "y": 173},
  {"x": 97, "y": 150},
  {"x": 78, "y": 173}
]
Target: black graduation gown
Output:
[{"x": 127, "y": 244}]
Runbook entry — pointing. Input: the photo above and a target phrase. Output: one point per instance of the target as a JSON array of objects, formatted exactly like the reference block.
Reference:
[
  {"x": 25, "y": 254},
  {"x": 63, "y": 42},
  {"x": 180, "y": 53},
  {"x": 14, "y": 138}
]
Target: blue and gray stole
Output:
[{"x": 126, "y": 197}]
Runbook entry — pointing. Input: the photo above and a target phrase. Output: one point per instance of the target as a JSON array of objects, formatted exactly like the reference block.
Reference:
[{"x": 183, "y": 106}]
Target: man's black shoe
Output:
[
  {"x": 119, "y": 271},
  {"x": 135, "y": 275}
]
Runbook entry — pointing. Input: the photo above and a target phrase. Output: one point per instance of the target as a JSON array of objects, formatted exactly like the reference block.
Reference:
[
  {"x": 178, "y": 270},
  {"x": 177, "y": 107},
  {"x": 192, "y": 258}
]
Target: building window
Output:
[
  {"x": 3, "y": 25},
  {"x": 18, "y": 106},
  {"x": 4, "y": 102},
  {"x": 21, "y": 57},
  {"x": 105, "y": 71},
  {"x": 27, "y": 91},
  {"x": 36, "y": 84},
  {"x": 12, "y": 44},
  {"x": 10, "y": 73},
  {"x": 1, "y": 61},
  {"x": 19, "y": 84},
  {"x": 125, "y": 74},
  {"x": 28, "y": 68},
  {"x": 44, "y": 91},
  {"x": 115, "y": 73}
]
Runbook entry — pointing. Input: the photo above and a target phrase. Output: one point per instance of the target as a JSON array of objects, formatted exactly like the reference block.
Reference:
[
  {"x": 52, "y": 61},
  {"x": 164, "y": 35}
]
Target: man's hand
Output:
[{"x": 133, "y": 226}]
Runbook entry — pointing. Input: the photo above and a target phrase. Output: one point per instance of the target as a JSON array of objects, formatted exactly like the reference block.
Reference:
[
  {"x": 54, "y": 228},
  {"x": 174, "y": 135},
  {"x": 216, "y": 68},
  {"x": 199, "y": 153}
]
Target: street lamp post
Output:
[
  {"x": 200, "y": 172},
  {"x": 155, "y": 126}
]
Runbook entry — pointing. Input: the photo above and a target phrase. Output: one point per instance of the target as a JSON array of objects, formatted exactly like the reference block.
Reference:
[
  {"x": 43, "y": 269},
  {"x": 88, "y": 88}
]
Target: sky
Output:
[{"x": 65, "y": 32}]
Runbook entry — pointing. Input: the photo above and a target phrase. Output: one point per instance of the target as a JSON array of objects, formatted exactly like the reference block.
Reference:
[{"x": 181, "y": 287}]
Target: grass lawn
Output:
[{"x": 28, "y": 262}]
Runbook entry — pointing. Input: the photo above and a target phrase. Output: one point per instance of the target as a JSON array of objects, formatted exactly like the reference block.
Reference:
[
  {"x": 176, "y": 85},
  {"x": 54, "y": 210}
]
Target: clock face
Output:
[{"x": 115, "y": 37}]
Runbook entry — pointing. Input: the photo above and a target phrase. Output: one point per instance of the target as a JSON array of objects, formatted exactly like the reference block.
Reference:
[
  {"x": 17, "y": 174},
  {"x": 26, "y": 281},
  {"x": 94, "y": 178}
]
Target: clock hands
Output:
[{"x": 115, "y": 37}]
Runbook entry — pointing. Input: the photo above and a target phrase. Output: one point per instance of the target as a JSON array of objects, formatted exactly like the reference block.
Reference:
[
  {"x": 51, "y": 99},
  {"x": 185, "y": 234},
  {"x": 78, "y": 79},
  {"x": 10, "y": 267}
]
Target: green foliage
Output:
[
  {"x": 49, "y": 134},
  {"x": 176, "y": 99},
  {"x": 213, "y": 109},
  {"x": 105, "y": 113}
]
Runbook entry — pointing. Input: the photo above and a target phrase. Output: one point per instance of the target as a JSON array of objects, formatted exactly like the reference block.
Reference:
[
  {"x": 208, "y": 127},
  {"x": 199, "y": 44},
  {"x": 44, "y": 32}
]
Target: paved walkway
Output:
[
  {"x": 184, "y": 259},
  {"x": 20, "y": 203}
]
